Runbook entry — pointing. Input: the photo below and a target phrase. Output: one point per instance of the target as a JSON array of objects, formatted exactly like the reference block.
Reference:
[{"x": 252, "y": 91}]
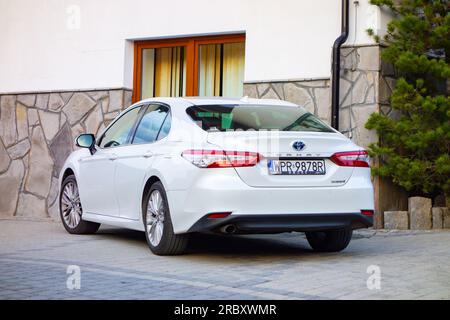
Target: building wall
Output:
[{"x": 86, "y": 44}]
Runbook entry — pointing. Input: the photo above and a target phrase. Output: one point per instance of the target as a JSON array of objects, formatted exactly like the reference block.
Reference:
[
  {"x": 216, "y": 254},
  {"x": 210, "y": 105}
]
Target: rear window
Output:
[{"x": 255, "y": 117}]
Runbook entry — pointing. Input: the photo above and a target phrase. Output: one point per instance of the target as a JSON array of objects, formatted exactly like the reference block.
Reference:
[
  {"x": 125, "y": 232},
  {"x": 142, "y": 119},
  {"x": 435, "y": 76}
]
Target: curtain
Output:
[
  {"x": 233, "y": 69},
  {"x": 163, "y": 72},
  {"x": 209, "y": 70},
  {"x": 221, "y": 69}
]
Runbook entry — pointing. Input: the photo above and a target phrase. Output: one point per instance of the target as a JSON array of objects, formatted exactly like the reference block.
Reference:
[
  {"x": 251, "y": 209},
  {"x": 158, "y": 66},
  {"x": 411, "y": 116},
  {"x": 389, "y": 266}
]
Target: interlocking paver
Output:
[{"x": 116, "y": 264}]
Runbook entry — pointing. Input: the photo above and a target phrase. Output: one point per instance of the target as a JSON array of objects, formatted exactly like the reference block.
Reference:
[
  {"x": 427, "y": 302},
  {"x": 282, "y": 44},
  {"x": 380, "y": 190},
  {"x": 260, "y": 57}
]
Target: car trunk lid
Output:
[{"x": 278, "y": 145}]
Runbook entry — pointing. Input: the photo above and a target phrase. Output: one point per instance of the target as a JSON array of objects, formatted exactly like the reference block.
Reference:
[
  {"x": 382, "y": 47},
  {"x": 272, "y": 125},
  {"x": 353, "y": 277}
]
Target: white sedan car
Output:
[{"x": 174, "y": 166}]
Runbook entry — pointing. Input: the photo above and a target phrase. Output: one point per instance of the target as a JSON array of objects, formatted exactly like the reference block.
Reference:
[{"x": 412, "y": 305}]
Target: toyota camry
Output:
[{"x": 175, "y": 166}]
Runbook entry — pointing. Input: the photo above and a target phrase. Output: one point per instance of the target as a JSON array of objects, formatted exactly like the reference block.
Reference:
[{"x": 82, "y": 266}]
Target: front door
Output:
[{"x": 97, "y": 171}]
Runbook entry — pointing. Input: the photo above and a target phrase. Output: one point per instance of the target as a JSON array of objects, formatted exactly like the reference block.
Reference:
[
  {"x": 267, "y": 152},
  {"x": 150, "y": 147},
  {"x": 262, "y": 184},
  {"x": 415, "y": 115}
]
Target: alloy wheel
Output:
[
  {"x": 71, "y": 205},
  {"x": 155, "y": 218}
]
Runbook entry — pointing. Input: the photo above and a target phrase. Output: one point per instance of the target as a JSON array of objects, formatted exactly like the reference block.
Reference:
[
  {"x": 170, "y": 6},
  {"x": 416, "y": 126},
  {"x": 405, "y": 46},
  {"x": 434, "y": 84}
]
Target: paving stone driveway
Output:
[{"x": 116, "y": 264}]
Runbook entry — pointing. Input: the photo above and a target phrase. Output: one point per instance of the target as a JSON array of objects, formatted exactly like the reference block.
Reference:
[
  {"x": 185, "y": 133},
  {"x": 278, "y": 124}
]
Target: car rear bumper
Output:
[
  {"x": 223, "y": 191},
  {"x": 275, "y": 223}
]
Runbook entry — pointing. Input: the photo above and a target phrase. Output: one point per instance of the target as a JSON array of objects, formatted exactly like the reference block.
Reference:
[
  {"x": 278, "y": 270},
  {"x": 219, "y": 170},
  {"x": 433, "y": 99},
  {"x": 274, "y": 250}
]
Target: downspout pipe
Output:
[{"x": 336, "y": 66}]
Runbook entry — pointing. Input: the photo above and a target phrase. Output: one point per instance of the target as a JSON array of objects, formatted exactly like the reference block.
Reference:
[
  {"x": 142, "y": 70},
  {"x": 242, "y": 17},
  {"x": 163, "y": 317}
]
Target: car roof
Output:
[{"x": 199, "y": 101}]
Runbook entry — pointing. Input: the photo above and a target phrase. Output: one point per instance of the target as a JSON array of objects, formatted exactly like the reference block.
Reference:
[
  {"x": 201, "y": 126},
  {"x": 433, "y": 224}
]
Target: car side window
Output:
[
  {"x": 118, "y": 133},
  {"x": 151, "y": 124},
  {"x": 165, "y": 128}
]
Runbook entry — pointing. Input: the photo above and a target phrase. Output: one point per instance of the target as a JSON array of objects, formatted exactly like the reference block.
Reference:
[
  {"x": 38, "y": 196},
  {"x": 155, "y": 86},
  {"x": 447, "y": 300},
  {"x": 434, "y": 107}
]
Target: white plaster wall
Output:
[{"x": 45, "y": 46}]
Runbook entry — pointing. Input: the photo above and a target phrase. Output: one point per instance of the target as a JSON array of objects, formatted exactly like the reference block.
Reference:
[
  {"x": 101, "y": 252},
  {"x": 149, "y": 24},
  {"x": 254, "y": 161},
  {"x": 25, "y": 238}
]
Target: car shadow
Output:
[
  {"x": 266, "y": 245},
  {"x": 285, "y": 244}
]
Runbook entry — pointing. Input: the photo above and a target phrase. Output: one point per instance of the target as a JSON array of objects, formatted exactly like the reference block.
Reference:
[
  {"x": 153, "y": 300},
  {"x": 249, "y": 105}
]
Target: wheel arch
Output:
[
  {"x": 148, "y": 184},
  {"x": 67, "y": 173}
]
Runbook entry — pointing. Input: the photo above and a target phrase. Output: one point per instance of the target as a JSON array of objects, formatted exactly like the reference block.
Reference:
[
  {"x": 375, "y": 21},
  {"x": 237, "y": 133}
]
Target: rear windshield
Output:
[{"x": 255, "y": 117}]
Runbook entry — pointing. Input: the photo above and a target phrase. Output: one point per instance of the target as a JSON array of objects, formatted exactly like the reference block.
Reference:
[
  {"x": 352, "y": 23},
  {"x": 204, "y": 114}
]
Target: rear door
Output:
[{"x": 136, "y": 159}]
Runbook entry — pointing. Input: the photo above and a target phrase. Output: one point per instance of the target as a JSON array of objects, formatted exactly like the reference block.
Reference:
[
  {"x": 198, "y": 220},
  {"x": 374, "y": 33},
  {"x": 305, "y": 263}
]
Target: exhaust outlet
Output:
[{"x": 228, "y": 229}]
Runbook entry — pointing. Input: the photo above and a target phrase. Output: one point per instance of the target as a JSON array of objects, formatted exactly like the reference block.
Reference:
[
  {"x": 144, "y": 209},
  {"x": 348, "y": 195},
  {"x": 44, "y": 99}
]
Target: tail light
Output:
[
  {"x": 221, "y": 158},
  {"x": 218, "y": 215},
  {"x": 351, "y": 159},
  {"x": 367, "y": 213}
]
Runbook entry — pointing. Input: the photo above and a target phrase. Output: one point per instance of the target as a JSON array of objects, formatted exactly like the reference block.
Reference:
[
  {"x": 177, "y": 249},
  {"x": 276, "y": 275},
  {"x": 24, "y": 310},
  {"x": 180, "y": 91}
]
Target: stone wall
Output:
[
  {"x": 313, "y": 94},
  {"x": 37, "y": 132}
]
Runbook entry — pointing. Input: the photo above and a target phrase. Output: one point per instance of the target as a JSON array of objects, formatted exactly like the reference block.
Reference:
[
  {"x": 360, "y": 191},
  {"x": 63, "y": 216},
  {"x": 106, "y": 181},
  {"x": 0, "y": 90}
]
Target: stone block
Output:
[
  {"x": 398, "y": 220},
  {"x": 19, "y": 150},
  {"x": 50, "y": 123},
  {"x": 323, "y": 102},
  {"x": 10, "y": 182},
  {"x": 446, "y": 218},
  {"x": 93, "y": 120},
  {"x": 98, "y": 95},
  {"x": 359, "y": 116},
  {"x": 66, "y": 96},
  {"x": 53, "y": 194},
  {"x": 31, "y": 206},
  {"x": 438, "y": 217},
  {"x": 270, "y": 94},
  {"x": 115, "y": 100},
  {"x": 299, "y": 95},
  {"x": 4, "y": 158},
  {"x": 77, "y": 107},
  {"x": 369, "y": 58},
  {"x": 22, "y": 121},
  {"x": 61, "y": 147},
  {"x": 420, "y": 213},
  {"x": 127, "y": 99},
  {"x": 33, "y": 117},
  {"x": 8, "y": 130},
  {"x": 262, "y": 88},
  {"x": 359, "y": 90},
  {"x": 27, "y": 99},
  {"x": 250, "y": 90},
  {"x": 56, "y": 102},
  {"x": 39, "y": 175},
  {"x": 42, "y": 101}
]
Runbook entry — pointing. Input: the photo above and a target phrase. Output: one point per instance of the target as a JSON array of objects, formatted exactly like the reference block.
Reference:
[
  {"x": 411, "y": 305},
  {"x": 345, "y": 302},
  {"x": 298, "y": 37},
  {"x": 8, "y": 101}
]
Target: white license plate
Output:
[{"x": 296, "y": 167}]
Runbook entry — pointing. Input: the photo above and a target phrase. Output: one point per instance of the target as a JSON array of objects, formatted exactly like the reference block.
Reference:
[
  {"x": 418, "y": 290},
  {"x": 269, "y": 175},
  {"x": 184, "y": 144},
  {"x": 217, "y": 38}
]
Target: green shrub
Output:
[{"x": 414, "y": 146}]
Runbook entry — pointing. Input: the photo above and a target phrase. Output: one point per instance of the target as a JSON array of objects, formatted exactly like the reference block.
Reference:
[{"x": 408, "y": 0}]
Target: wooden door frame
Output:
[{"x": 192, "y": 56}]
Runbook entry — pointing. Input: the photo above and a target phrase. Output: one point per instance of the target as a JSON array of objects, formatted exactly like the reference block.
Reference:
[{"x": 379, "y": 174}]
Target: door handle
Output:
[
  {"x": 112, "y": 157},
  {"x": 148, "y": 154}
]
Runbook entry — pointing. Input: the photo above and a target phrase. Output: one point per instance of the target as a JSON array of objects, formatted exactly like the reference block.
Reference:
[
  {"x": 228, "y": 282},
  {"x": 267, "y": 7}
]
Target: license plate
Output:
[{"x": 296, "y": 167}]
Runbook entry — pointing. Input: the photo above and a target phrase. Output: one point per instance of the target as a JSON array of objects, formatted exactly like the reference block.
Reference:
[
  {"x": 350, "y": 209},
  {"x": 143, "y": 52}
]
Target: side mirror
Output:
[{"x": 86, "y": 140}]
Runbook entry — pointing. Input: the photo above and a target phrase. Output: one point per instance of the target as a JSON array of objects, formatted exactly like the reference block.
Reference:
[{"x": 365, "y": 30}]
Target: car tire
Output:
[
  {"x": 70, "y": 209},
  {"x": 329, "y": 241},
  {"x": 158, "y": 224}
]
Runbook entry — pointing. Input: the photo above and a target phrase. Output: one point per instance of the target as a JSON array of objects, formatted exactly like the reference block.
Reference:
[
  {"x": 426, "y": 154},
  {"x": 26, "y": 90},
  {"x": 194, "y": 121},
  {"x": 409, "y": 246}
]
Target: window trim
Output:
[
  {"x": 148, "y": 104},
  {"x": 192, "y": 45}
]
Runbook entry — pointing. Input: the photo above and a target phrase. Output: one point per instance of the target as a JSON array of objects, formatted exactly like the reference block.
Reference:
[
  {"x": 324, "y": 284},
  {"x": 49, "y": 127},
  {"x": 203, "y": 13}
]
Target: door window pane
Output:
[
  {"x": 165, "y": 128},
  {"x": 163, "y": 72},
  {"x": 150, "y": 125},
  {"x": 221, "y": 69},
  {"x": 119, "y": 131}
]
